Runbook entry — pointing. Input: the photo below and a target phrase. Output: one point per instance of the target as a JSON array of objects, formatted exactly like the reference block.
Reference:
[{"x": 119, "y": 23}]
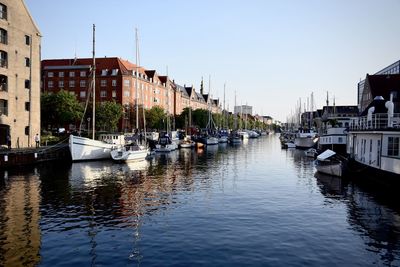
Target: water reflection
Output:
[
  {"x": 377, "y": 224},
  {"x": 19, "y": 219},
  {"x": 253, "y": 204}
]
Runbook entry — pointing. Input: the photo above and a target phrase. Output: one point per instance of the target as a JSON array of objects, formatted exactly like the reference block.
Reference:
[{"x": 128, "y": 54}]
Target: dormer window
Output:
[
  {"x": 104, "y": 72},
  {"x": 114, "y": 72}
]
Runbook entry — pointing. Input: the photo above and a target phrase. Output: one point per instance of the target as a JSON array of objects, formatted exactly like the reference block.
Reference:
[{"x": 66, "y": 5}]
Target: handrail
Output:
[{"x": 378, "y": 121}]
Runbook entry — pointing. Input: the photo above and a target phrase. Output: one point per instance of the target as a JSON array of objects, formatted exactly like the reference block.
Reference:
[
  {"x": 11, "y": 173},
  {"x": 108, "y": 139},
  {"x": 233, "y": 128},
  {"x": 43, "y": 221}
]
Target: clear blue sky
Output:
[{"x": 270, "y": 52}]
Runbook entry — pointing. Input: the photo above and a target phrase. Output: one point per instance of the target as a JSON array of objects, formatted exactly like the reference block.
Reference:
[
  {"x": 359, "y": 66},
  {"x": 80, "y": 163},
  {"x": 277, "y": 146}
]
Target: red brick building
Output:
[{"x": 117, "y": 79}]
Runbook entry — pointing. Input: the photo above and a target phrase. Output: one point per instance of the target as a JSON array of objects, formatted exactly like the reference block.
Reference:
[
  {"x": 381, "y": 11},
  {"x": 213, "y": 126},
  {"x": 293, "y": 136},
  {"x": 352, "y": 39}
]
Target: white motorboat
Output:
[
  {"x": 131, "y": 152},
  {"x": 165, "y": 145},
  {"x": 328, "y": 163},
  {"x": 305, "y": 140}
]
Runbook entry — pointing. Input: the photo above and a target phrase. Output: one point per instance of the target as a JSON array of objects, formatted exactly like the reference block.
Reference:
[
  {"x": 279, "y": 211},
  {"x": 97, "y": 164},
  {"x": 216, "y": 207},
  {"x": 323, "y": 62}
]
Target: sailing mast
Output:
[
  {"x": 137, "y": 84},
  {"x": 94, "y": 86}
]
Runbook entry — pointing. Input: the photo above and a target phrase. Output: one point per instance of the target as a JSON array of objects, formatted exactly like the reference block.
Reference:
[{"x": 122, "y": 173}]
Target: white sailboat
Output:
[
  {"x": 83, "y": 148},
  {"x": 133, "y": 151}
]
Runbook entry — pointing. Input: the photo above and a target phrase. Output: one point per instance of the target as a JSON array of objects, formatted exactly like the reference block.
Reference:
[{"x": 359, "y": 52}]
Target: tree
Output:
[
  {"x": 155, "y": 118},
  {"x": 60, "y": 109},
  {"x": 107, "y": 115},
  {"x": 200, "y": 117}
]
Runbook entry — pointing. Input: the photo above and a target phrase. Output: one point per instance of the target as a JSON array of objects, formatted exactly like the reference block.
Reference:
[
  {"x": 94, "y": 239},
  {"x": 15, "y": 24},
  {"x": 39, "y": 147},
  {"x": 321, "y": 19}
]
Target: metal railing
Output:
[{"x": 378, "y": 121}]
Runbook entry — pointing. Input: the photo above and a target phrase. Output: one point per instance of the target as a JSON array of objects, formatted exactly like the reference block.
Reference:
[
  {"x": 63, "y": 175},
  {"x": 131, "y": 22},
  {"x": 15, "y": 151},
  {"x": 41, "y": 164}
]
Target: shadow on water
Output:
[{"x": 372, "y": 211}]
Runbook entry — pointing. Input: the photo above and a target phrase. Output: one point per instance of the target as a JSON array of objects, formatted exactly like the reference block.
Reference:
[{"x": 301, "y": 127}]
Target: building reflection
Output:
[
  {"x": 20, "y": 234},
  {"x": 371, "y": 212}
]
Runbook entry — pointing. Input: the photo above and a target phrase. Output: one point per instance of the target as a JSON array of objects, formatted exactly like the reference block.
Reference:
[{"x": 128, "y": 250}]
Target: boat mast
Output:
[
  {"x": 137, "y": 88},
  {"x": 223, "y": 112},
  {"x": 94, "y": 85}
]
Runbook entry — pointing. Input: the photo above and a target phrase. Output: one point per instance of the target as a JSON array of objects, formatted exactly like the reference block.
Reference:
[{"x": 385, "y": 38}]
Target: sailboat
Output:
[
  {"x": 169, "y": 141},
  {"x": 223, "y": 133},
  {"x": 234, "y": 137},
  {"x": 83, "y": 148},
  {"x": 133, "y": 151}
]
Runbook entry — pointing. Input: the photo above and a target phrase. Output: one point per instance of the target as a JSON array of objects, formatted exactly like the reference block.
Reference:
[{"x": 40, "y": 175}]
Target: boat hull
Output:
[
  {"x": 130, "y": 155},
  {"x": 335, "y": 169},
  {"x": 304, "y": 142},
  {"x": 82, "y": 149}
]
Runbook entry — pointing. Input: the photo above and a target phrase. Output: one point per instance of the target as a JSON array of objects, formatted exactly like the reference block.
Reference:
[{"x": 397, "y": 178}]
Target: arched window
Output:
[
  {"x": 3, "y": 11},
  {"x": 3, "y": 36},
  {"x": 3, "y": 83},
  {"x": 3, "y": 59}
]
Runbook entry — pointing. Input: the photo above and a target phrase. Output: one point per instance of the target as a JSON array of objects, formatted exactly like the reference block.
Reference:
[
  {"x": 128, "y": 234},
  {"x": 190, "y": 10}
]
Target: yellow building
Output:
[{"x": 19, "y": 74}]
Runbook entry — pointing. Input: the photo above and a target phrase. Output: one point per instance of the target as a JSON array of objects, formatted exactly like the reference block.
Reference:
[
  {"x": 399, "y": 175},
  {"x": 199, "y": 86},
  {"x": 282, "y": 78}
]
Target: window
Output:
[
  {"x": 103, "y": 93},
  {"x": 3, "y": 83},
  {"x": 71, "y": 92},
  {"x": 72, "y": 83},
  {"x": 114, "y": 94},
  {"x": 103, "y": 83},
  {"x": 340, "y": 140},
  {"x": 27, "y": 40},
  {"x": 50, "y": 74},
  {"x": 3, "y": 11},
  {"x": 114, "y": 72},
  {"x": 61, "y": 74},
  {"x": 61, "y": 84},
  {"x": 104, "y": 72},
  {"x": 71, "y": 74},
  {"x": 83, "y": 73},
  {"x": 114, "y": 83},
  {"x": 3, "y": 107},
  {"x": 393, "y": 146},
  {"x": 82, "y": 83},
  {"x": 27, "y": 62},
  {"x": 26, "y": 130},
  {"x": 82, "y": 94},
  {"x": 50, "y": 84},
  {"x": 3, "y": 59},
  {"x": 3, "y": 36},
  {"x": 127, "y": 82},
  {"x": 27, "y": 106},
  {"x": 126, "y": 93},
  {"x": 27, "y": 84}
]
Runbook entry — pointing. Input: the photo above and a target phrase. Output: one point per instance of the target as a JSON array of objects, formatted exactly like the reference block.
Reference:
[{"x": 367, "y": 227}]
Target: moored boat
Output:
[
  {"x": 131, "y": 152},
  {"x": 329, "y": 163}
]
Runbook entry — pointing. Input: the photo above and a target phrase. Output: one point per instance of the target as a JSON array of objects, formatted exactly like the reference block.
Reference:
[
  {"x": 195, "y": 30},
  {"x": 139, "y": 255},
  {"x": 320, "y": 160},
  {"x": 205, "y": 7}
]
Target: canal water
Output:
[{"x": 250, "y": 205}]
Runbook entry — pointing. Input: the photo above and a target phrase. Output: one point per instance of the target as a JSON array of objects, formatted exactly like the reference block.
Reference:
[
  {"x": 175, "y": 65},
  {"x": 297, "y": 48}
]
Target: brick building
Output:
[{"x": 117, "y": 79}]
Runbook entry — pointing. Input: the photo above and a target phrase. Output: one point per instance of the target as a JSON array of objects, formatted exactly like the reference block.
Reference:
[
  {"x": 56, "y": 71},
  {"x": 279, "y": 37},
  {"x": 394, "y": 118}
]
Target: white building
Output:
[{"x": 243, "y": 109}]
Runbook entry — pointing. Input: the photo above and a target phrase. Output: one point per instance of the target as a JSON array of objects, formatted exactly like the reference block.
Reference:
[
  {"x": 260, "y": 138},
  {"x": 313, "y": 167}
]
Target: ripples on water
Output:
[{"x": 253, "y": 205}]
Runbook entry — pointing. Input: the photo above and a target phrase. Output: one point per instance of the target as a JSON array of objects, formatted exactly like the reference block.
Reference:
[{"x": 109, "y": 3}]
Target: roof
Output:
[
  {"x": 109, "y": 63},
  {"x": 383, "y": 85}
]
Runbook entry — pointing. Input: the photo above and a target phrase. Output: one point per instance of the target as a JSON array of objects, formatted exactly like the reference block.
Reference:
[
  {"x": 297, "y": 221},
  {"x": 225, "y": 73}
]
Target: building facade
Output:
[
  {"x": 123, "y": 82},
  {"x": 243, "y": 109},
  {"x": 19, "y": 74},
  {"x": 393, "y": 68}
]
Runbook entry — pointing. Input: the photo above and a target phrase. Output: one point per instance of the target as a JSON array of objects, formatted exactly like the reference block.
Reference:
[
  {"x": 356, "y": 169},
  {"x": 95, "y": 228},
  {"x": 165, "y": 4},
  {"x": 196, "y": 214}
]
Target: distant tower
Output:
[{"x": 201, "y": 86}]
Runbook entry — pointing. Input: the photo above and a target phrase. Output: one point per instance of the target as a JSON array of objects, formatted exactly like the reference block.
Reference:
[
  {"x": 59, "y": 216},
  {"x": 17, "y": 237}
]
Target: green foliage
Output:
[
  {"x": 59, "y": 109},
  {"x": 200, "y": 118},
  {"x": 155, "y": 118},
  {"x": 107, "y": 115}
]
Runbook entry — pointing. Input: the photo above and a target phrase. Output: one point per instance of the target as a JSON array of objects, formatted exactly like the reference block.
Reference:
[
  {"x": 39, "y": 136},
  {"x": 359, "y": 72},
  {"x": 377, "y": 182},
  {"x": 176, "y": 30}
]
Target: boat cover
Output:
[{"x": 326, "y": 154}]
